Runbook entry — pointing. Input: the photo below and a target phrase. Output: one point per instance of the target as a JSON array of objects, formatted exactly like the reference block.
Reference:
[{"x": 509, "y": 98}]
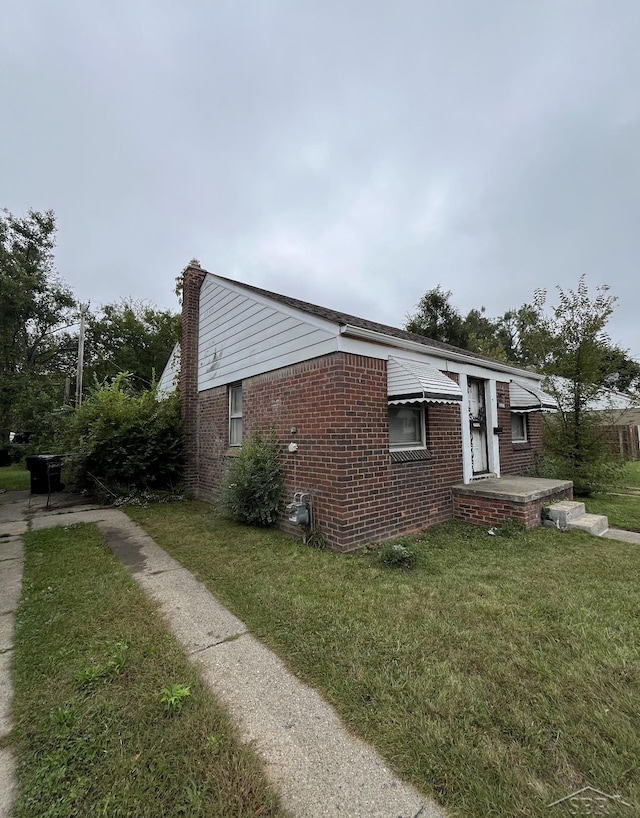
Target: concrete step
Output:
[
  {"x": 563, "y": 512},
  {"x": 595, "y": 524}
]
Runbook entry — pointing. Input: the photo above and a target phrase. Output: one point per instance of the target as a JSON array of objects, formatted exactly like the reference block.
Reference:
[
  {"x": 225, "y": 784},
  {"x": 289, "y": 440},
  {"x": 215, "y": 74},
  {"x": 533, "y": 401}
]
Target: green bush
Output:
[
  {"x": 254, "y": 484},
  {"x": 121, "y": 441}
]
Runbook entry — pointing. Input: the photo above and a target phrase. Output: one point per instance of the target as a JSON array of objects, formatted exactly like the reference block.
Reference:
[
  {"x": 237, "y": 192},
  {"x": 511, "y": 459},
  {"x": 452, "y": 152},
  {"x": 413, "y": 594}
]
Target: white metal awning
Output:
[
  {"x": 530, "y": 399},
  {"x": 410, "y": 381}
]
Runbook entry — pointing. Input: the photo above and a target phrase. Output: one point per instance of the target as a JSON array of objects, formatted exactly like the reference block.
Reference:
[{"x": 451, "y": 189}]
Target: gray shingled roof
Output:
[{"x": 342, "y": 318}]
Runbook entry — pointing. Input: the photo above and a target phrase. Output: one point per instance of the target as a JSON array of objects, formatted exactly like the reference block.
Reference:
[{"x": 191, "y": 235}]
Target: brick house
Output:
[{"x": 386, "y": 422}]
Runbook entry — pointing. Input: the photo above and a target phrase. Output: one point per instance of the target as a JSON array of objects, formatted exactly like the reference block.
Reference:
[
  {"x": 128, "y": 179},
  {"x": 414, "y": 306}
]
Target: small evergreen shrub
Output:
[
  {"x": 254, "y": 485},
  {"x": 396, "y": 555}
]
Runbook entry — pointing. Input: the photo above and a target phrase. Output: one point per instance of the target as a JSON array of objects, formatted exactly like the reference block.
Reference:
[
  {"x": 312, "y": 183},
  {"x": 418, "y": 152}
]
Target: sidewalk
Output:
[{"x": 317, "y": 766}]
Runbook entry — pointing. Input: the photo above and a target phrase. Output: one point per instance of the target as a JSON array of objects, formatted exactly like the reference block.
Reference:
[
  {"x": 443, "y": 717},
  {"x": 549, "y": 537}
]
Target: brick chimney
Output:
[{"x": 192, "y": 277}]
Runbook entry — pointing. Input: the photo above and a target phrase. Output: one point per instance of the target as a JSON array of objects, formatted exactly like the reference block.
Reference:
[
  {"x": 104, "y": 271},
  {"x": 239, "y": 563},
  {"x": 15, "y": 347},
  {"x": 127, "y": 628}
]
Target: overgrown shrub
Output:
[
  {"x": 254, "y": 485},
  {"x": 122, "y": 442}
]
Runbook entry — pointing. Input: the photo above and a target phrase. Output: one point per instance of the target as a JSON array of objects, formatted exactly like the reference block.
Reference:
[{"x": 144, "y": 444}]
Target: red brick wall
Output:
[
  {"x": 517, "y": 458},
  {"x": 213, "y": 425},
  {"x": 488, "y": 511},
  {"x": 338, "y": 406}
]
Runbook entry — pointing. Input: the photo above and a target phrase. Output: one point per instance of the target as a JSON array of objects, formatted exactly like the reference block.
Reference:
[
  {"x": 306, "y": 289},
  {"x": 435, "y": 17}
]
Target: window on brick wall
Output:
[
  {"x": 407, "y": 427},
  {"x": 519, "y": 427},
  {"x": 235, "y": 415}
]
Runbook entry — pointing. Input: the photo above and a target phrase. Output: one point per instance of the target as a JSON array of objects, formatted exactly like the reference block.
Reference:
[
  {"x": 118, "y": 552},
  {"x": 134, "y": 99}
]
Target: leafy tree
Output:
[
  {"x": 524, "y": 335},
  {"x": 580, "y": 346},
  {"x": 36, "y": 310},
  {"x": 620, "y": 371},
  {"x": 438, "y": 319},
  {"x": 482, "y": 333},
  {"x": 130, "y": 337}
]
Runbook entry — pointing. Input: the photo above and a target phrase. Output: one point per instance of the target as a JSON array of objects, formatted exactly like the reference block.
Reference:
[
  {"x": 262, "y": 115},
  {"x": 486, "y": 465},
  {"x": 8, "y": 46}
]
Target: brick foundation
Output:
[{"x": 488, "y": 511}]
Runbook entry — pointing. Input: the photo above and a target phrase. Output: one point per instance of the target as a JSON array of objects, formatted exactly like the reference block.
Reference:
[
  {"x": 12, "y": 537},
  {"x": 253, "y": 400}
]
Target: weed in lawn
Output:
[
  {"x": 397, "y": 555},
  {"x": 173, "y": 697},
  {"x": 111, "y": 667}
]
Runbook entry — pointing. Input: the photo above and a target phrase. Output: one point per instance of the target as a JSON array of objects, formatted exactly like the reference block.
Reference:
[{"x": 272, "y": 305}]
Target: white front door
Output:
[{"x": 478, "y": 423}]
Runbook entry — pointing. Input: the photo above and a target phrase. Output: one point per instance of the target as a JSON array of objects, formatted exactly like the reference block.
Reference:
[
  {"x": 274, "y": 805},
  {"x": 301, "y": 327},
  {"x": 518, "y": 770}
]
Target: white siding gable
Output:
[
  {"x": 244, "y": 334},
  {"x": 169, "y": 378}
]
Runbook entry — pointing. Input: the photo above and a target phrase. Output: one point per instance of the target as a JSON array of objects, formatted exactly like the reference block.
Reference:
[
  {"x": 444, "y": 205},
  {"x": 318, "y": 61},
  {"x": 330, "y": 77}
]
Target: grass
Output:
[
  {"x": 14, "y": 478},
  {"x": 631, "y": 475},
  {"x": 623, "y": 511},
  {"x": 498, "y": 675},
  {"x": 92, "y": 735}
]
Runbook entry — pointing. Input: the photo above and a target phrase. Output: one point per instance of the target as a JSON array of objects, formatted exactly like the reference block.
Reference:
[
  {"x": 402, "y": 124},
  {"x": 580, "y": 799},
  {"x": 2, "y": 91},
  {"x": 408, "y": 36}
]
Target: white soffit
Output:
[
  {"x": 529, "y": 399},
  {"x": 410, "y": 381}
]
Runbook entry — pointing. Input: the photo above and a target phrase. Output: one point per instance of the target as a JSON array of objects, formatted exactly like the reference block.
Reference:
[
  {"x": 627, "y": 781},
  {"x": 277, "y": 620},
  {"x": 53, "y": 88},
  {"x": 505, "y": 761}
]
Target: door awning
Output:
[
  {"x": 529, "y": 399},
  {"x": 410, "y": 381}
]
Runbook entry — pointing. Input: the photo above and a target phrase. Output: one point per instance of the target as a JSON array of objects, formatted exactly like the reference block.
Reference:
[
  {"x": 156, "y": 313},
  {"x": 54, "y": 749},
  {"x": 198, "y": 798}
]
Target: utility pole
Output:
[{"x": 84, "y": 308}]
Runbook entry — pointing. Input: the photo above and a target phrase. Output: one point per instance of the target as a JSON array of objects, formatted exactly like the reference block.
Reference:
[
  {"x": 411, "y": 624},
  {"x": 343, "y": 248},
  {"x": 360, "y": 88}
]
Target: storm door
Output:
[{"x": 478, "y": 423}]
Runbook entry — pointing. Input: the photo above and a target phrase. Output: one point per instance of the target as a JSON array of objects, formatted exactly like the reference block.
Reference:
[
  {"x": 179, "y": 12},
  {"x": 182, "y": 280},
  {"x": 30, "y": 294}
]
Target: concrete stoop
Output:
[{"x": 569, "y": 514}]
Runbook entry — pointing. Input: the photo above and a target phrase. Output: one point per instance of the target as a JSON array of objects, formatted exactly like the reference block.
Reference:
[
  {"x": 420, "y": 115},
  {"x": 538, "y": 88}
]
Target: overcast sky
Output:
[{"x": 352, "y": 153}]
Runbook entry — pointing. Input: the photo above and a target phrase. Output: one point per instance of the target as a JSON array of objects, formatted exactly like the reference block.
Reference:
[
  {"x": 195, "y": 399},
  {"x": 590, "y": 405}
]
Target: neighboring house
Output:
[{"x": 385, "y": 422}]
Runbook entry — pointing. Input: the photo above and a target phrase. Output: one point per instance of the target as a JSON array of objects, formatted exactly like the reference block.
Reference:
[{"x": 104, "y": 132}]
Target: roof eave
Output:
[{"x": 402, "y": 343}]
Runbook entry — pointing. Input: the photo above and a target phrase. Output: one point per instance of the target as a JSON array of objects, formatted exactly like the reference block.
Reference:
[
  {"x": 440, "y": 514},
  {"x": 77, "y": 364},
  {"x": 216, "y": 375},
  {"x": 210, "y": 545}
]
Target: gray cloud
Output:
[{"x": 354, "y": 154}]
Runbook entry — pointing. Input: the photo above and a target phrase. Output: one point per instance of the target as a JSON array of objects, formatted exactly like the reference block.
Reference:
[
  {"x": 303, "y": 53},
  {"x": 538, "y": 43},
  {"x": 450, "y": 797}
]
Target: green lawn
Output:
[
  {"x": 14, "y": 478},
  {"x": 631, "y": 476},
  {"x": 498, "y": 675},
  {"x": 622, "y": 511},
  {"x": 92, "y": 737}
]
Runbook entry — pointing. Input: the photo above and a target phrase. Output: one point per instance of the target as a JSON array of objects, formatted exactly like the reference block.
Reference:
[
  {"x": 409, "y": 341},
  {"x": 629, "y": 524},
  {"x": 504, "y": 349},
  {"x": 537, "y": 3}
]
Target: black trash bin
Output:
[{"x": 46, "y": 473}]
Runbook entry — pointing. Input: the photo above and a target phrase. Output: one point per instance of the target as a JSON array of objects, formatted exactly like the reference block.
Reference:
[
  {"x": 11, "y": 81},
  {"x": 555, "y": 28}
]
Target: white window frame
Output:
[
  {"x": 422, "y": 444},
  {"x": 525, "y": 431},
  {"x": 235, "y": 416}
]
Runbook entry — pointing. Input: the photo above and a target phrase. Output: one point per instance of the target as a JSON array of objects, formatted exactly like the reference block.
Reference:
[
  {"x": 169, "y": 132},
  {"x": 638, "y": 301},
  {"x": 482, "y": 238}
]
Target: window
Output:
[
  {"x": 235, "y": 415},
  {"x": 406, "y": 427},
  {"x": 518, "y": 427}
]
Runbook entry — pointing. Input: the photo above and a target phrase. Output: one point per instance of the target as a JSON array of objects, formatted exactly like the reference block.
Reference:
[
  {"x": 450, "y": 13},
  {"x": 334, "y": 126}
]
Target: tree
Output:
[
  {"x": 130, "y": 337},
  {"x": 620, "y": 371},
  {"x": 577, "y": 366},
  {"x": 482, "y": 334},
  {"x": 438, "y": 319},
  {"x": 36, "y": 310}
]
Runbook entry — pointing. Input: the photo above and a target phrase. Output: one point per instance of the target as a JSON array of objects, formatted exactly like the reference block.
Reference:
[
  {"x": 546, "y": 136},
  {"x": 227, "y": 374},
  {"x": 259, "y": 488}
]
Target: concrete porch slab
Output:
[{"x": 513, "y": 489}]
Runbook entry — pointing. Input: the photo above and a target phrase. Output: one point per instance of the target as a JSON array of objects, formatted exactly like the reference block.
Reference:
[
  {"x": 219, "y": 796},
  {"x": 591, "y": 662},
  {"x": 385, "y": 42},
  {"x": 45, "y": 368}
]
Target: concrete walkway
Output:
[{"x": 317, "y": 766}]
